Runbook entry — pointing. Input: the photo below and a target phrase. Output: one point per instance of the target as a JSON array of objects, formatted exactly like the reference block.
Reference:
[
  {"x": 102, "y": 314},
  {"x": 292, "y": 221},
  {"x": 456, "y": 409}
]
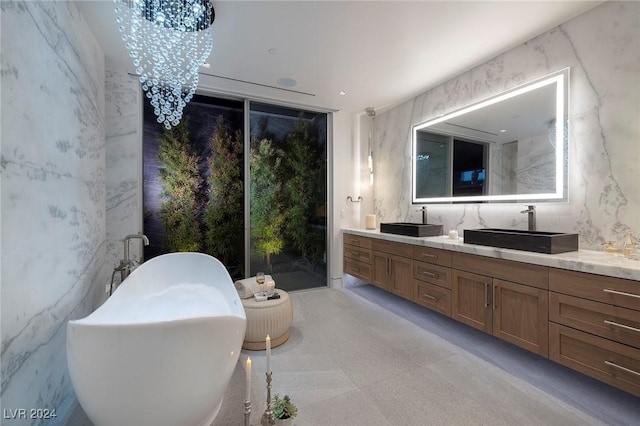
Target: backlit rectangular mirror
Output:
[{"x": 510, "y": 147}]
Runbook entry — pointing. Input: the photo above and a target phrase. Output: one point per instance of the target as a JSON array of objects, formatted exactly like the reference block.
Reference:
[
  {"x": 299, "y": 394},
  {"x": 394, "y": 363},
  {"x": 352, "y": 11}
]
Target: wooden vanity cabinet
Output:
[
  {"x": 393, "y": 267},
  {"x": 587, "y": 322},
  {"x": 595, "y": 326},
  {"x": 514, "y": 312},
  {"x": 357, "y": 256},
  {"x": 432, "y": 279}
]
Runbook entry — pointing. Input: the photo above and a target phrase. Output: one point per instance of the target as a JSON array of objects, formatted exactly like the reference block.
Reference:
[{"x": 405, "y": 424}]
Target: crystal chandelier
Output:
[{"x": 167, "y": 41}]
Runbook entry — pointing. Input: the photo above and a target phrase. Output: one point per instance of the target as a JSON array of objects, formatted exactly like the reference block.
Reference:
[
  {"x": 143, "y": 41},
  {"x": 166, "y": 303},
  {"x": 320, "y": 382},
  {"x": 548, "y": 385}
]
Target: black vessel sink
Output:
[
  {"x": 536, "y": 241},
  {"x": 411, "y": 229}
]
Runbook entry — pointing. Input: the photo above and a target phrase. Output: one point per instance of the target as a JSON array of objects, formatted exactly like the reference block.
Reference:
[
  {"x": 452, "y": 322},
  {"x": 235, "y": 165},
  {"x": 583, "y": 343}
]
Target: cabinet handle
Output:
[
  {"x": 486, "y": 295},
  {"x": 621, "y": 293},
  {"x": 628, "y": 370},
  {"x": 637, "y": 330},
  {"x": 355, "y": 269},
  {"x": 429, "y": 274},
  {"x": 428, "y": 296},
  {"x": 493, "y": 296},
  {"x": 430, "y": 256},
  {"x": 388, "y": 260}
]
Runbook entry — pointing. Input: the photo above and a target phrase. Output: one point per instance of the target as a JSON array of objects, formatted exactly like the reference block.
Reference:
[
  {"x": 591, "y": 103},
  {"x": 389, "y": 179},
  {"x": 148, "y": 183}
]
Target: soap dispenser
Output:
[{"x": 629, "y": 247}]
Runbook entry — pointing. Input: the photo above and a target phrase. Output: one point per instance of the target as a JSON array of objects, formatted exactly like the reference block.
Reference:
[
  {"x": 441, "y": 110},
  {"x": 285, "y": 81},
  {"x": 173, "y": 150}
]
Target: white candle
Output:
[
  {"x": 248, "y": 386},
  {"x": 271, "y": 287},
  {"x": 370, "y": 221},
  {"x": 268, "y": 354}
]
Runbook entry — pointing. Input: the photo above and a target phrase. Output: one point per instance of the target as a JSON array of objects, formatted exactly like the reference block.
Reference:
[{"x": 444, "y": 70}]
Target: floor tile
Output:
[{"x": 363, "y": 357}]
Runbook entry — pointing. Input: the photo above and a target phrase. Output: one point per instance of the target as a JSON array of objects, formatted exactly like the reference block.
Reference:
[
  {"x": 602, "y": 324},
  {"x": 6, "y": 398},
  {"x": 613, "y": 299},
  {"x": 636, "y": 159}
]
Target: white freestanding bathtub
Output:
[{"x": 162, "y": 348}]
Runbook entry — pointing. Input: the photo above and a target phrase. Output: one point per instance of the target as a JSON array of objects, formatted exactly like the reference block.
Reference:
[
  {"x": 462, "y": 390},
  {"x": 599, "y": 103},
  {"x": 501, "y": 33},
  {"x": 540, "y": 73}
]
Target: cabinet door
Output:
[
  {"x": 471, "y": 302},
  {"x": 357, "y": 269},
  {"x": 381, "y": 270},
  {"x": 521, "y": 316},
  {"x": 601, "y": 319},
  {"x": 610, "y": 362},
  {"x": 402, "y": 277},
  {"x": 432, "y": 296}
]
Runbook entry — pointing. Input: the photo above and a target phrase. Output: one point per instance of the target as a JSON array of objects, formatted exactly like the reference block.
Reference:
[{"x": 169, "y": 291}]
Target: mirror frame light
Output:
[{"x": 561, "y": 79}]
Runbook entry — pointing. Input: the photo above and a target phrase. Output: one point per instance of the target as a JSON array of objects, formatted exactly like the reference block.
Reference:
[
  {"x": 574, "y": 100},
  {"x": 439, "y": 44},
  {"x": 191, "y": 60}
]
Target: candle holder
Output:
[
  {"x": 267, "y": 417},
  {"x": 247, "y": 413}
]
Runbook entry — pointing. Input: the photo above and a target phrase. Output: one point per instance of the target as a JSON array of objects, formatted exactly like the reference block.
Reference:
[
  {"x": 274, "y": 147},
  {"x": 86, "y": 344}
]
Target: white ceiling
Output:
[{"x": 380, "y": 52}]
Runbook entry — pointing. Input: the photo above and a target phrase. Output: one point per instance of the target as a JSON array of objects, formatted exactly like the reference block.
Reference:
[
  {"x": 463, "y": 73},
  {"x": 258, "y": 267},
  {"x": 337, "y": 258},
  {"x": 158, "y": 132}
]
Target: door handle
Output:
[
  {"x": 626, "y": 327},
  {"x": 619, "y": 367},
  {"x": 495, "y": 299},
  {"x": 486, "y": 295},
  {"x": 429, "y": 274},
  {"x": 428, "y": 296},
  {"x": 621, "y": 293}
]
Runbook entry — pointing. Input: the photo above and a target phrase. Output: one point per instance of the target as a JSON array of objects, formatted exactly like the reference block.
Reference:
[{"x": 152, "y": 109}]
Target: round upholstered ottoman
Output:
[{"x": 272, "y": 317}]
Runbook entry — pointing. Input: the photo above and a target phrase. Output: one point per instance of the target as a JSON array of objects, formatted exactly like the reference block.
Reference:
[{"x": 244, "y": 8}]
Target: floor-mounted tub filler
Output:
[{"x": 161, "y": 350}]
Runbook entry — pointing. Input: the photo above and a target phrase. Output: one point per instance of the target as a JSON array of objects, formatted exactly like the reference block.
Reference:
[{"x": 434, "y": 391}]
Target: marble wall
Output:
[
  {"x": 124, "y": 164},
  {"x": 602, "y": 49},
  {"x": 53, "y": 195}
]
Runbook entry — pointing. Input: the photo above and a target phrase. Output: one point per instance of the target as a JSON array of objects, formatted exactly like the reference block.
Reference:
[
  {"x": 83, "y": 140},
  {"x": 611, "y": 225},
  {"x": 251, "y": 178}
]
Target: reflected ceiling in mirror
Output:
[{"x": 502, "y": 149}]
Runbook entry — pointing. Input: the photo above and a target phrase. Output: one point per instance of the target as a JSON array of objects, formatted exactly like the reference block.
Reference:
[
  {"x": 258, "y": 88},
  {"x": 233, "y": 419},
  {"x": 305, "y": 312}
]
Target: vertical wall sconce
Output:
[{"x": 371, "y": 113}]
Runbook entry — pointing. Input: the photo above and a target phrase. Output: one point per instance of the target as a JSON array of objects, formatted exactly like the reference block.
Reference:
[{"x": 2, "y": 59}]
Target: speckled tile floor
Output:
[{"x": 361, "y": 356}]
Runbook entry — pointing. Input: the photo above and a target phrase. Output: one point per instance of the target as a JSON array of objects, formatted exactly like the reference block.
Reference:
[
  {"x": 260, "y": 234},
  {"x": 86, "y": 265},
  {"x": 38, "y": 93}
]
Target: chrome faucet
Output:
[
  {"x": 126, "y": 263},
  {"x": 531, "y": 217},
  {"x": 423, "y": 209}
]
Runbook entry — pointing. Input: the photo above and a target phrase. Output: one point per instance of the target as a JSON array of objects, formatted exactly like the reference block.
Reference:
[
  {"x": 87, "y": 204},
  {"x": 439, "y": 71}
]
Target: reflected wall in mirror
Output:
[{"x": 504, "y": 148}]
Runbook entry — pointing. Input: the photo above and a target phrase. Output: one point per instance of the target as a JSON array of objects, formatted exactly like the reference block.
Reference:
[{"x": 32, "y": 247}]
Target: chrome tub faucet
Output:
[{"x": 126, "y": 264}]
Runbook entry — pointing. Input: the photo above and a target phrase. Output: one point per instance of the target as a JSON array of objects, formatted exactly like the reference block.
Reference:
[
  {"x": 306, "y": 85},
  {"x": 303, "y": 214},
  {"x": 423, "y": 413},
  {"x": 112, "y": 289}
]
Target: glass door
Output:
[{"x": 288, "y": 195}]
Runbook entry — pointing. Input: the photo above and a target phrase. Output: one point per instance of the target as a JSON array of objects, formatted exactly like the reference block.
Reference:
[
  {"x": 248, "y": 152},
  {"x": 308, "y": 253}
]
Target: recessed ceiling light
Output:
[
  {"x": 286, "y": 82},
  {"x": 343, "y": 92},
  {"x": 273, "y": 51},
  {"x": 205, "y": 65},
  {"x": 503, "y": 131}
]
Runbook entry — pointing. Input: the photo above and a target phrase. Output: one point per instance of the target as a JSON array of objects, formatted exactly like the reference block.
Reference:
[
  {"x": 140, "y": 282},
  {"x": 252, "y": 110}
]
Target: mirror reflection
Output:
[{"x": 501, "y": 149}]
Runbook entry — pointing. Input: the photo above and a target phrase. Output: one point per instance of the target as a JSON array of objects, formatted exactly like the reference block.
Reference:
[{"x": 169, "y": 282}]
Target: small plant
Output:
[{"x": 283, "y": 408}]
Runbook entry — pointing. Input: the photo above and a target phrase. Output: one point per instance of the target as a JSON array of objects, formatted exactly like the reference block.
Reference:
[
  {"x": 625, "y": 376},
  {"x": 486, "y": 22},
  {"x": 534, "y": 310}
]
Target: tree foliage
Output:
[
  {"x": 302, "y": 165},
  {"x": 224, "y": 213},
  {"x": 181, "y": 181},
  {"x": 267, "y": 209}
]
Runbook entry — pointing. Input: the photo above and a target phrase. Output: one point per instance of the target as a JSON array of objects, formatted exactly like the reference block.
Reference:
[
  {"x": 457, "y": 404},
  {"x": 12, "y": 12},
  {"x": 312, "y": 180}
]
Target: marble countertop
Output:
[{"x": 593, "y": 262}]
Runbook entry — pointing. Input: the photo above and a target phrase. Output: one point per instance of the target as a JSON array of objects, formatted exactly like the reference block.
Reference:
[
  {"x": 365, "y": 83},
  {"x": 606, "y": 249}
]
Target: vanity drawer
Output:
[
  {"x": 434, "y": 274},
  {"x": 615, "y": 291},
  {"x": 612, "y": 322},
  {"x": 357, "y": 253},
  {"x": 433, "y": 297},
  {"x": 399, "y": 249},
  {"x": 432, "y": 255},
  {"x": 357, "y": 269},
  {"x": 356, "y": 240},
  {"x": 508, "y": 270},
  {"x": 610, "y": 362}
]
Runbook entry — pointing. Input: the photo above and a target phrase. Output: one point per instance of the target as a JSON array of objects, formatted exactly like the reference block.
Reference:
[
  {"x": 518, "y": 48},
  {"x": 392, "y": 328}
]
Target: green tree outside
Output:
[
  {"x": 181, "y": 181},
  {"x": 267, "y": 209},
  {"x": 302, "y": 173},
  {"x": 224, "y": 213}
]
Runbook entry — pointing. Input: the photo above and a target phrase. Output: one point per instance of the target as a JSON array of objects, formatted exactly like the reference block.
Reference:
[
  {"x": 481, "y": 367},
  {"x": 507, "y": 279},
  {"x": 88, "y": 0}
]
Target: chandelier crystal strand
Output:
[{"x": 167, "y": 41}]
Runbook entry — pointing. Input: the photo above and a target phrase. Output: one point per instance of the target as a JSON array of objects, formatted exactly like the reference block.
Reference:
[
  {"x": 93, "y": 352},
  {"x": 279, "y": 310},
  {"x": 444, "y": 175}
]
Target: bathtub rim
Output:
[{"x": 85, "y": 321}]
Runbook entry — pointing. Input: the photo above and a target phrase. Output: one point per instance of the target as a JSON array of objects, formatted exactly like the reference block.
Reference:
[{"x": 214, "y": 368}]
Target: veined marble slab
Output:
[
  {"x": 590, "y": 261},
  {"x": 602, "y": 49}
]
